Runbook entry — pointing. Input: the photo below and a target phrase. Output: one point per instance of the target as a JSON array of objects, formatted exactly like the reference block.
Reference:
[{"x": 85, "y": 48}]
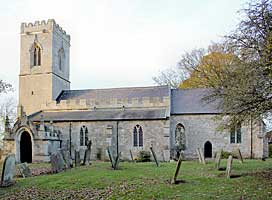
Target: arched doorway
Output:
[
  {"x": 25, "y": 148},
  {"x": 208, "y": 149}
]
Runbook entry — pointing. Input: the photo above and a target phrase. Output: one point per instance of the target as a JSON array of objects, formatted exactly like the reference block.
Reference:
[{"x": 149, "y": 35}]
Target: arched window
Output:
[
  {"x": 236, "y": 134},
  {"x": 83, "y": 136},
  {"x": 36, "y": 52},
  {"x": 180, "y": 140},
  {"x": 61, "y": 58},
  {"x": 138, "y": 136},
  {"x": 86, "y": 136}
]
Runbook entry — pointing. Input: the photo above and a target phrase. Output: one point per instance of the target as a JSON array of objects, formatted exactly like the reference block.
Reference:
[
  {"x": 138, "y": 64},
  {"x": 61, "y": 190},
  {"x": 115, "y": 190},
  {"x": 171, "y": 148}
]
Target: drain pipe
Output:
[{"x": 251, "y": 138}]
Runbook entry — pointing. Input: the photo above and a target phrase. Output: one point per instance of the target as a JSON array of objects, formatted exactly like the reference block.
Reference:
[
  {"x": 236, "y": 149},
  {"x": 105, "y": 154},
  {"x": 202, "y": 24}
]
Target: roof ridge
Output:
[{"x": 140, "y": 87}]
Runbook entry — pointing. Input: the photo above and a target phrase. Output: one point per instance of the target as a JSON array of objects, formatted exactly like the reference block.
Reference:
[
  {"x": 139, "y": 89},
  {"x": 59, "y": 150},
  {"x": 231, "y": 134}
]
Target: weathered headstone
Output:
[
  {"x": 110, "y": 157},
  {"x": 67, "y": 159},
  {"x": 218, "y": 159},
  {"x": 54, "y": 163},
  {"x": 154, "y": 156},
  {"x": 131, "y": 156},
  {"x": 229, "y": 166},
  {"x": 202, "y": 156},
  {"x": 199, "y": 156},
  {"x": 166, "y": 155},
  {"x": 116, "y": 162},
  {"x": 239, "y": 156},
  {"x": 24, "y": 170},
  {"x": 87, "y": 154},
  {"x": 8, "y": 171},
  {"x": 174, "y": 179},
  {"x": 77, "y": 158},
  {"x": 60, "y": 161}
]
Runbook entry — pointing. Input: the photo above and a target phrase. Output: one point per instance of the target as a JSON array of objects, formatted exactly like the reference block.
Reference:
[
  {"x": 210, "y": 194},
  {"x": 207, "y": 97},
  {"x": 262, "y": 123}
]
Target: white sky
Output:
[{"x": 117, "y": 43}]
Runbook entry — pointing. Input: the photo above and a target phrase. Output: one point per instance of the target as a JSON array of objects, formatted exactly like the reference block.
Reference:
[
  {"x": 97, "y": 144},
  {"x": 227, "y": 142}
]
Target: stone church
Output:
[{"x": 51, "y": 116}]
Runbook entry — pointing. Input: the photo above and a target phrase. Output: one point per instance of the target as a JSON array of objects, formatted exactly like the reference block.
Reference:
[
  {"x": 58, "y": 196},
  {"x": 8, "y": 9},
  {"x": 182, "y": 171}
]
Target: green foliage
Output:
[
  {"x": 270, "y": 150},
  {"x": 225, "y": 154},
  {"x": 144, "y": 156}
]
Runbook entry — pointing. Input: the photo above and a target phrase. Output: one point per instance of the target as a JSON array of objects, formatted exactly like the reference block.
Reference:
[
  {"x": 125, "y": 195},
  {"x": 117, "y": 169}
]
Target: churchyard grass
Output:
[{"x": 146, "y": 181}]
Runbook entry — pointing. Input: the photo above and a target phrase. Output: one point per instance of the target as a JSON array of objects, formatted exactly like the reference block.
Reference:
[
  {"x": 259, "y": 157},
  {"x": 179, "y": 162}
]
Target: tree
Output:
[
  {"x": 172, "y": 77},
  {"x": 5, "y": 87}
]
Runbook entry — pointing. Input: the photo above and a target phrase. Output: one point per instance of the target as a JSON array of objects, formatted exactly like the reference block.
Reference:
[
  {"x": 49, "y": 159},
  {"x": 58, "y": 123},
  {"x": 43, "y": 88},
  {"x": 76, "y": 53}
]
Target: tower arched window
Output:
[
  {"x": 83, "y": 136},
  {"x": 138, "y": 136},
  {"x": 36, "y": 56}
]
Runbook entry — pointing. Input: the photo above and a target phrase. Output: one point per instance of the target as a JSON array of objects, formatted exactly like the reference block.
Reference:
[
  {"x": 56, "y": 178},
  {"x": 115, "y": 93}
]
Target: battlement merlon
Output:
[{"x": 43, "y": 26}]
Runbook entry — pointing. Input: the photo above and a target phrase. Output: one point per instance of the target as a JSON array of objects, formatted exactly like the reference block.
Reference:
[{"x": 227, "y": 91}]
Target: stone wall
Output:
[
  {"x": 202, "y": 128},
  {"x": 103, "y": 135}
]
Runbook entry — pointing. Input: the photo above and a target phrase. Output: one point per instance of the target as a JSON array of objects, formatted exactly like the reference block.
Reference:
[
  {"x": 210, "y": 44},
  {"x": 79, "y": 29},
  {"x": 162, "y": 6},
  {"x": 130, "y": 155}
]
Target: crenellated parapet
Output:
[
  {"x": 125, "y": 103},
  {"x": 44, "y": 26}
]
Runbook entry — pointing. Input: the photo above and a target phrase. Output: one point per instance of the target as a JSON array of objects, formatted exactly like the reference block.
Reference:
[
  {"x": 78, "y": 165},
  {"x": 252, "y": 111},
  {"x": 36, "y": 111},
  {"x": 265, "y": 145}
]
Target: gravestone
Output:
[
  {"x": 131, "y": 156},
  {"x": 218, "y": 159},
  {"x": 110, "y": 157},
  {"x": 67, "y": 159},
  {"x": 24, "y": 170},
  {"x": 54, "y": 163},
  {"x": 229, "y": 166},
  {"x": 8, "y": 171},
  {"x": 198, "y": 155},
  {"x": 77, "y": 158},
  {"x": 116, "y": 161},
  {"x": 154, "y": 156},
  {"x": 60, "y": 161},
  {"x": 87, "y": 154},
  {"x": 174, "y": 179},
  {"x": 202, "y": 156},
  {"x": 239, "y": 156},
  {"x": 166, "y": 155}
]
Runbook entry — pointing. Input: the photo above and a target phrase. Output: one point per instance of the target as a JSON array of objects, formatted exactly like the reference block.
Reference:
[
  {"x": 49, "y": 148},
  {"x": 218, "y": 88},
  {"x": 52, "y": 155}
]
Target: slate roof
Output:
[
  {"x": 189, "y": 101},
  {"x": 129, "y": 92},
  {"x": 100, "y": 115}
]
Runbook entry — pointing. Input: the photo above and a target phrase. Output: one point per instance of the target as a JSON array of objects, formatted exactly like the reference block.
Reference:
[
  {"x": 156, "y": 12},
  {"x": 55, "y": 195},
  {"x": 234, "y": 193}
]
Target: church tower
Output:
[{"x": 44, "y": 64}]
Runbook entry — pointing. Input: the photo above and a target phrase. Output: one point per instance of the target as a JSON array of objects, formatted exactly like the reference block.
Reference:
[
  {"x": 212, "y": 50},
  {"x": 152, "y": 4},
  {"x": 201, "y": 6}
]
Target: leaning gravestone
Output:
[
  {"x": 229, "y": 166},
  {"x": 24, "y": 170},
  {"x": 131, "y": 156},
  {"x": 199, "y": 156},
  {"x": 218, "y": 159},
  {"x": 87, "y": 154},
  {"x": 8, "y": 171},
  {"x": 77, "y": 158},
  {"x": 116, "y": 162},
  {"x": 154, "y": 156},
  {"x": 110, "y": 157},
  {"x": 67, "y": 159},
  {"x": 239, "y": 156},
  {"x": 174, "y": 179},
  {"x": 202, "y": 156}
]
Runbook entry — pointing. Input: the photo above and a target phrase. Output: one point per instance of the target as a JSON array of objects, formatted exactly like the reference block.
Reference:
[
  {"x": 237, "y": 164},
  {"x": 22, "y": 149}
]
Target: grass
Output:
[{"x": 146, "y": 181}]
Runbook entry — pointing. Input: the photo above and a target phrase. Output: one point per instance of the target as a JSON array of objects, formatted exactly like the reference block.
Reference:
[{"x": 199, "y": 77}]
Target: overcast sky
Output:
[{"x": 117, "y": 43}]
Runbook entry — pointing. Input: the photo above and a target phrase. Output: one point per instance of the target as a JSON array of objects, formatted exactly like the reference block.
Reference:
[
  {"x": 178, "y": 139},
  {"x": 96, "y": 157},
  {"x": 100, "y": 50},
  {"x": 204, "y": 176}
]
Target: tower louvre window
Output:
[{"x": 36, "y": 52}]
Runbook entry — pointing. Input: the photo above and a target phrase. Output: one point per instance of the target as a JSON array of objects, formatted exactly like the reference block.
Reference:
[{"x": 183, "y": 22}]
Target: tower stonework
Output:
[{"x": 44, "y": 64}]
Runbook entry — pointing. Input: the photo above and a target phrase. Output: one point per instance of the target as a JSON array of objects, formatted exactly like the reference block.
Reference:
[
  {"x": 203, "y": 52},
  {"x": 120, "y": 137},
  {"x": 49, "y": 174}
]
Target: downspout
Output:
[
  {"x": 251, "y": 138},
  {"x": 70, "y": 138},
  {"x": 117, "y": 135}
]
